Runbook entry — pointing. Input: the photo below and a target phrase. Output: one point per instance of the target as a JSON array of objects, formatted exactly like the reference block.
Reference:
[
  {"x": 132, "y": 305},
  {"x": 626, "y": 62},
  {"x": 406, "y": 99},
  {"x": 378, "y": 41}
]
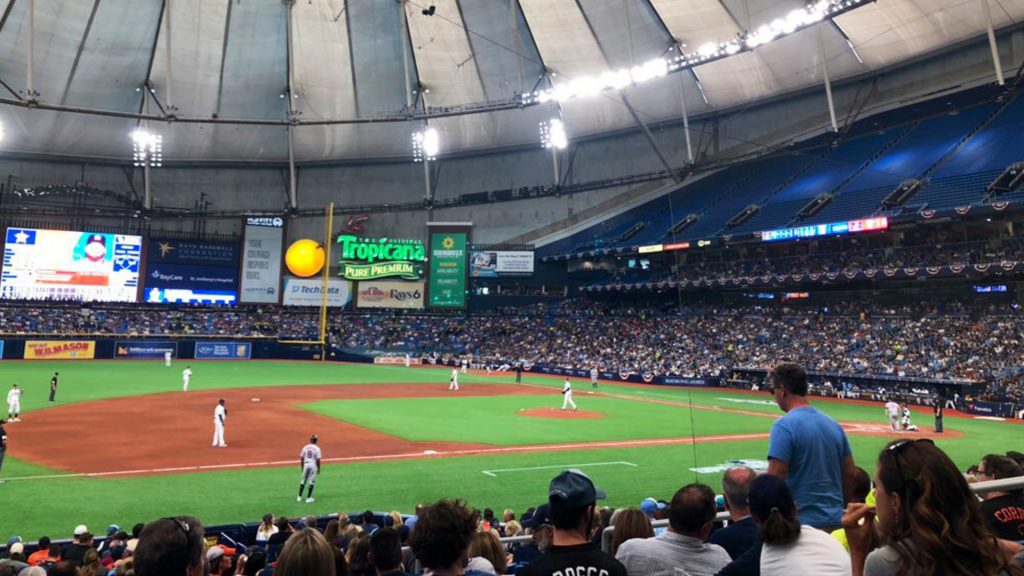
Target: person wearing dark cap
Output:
[
  {"x": 386, "y": 553},
  {"x": 538, "y": 523},
  {"x": 573, "y": 498},
  {"x": 786, "y": 547},
  {"x": 684, "y": 545},
  {"x": 809, "y": 450}
]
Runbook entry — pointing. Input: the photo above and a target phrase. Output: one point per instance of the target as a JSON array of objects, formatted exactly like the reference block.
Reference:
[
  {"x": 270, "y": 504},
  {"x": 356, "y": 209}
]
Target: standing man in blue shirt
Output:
[{"x": 809, "y": 450}]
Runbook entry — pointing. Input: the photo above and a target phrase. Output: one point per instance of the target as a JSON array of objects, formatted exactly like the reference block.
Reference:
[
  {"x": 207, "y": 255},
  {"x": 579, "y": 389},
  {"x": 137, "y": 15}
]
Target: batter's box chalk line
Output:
[{"x": 494, "y": 473}]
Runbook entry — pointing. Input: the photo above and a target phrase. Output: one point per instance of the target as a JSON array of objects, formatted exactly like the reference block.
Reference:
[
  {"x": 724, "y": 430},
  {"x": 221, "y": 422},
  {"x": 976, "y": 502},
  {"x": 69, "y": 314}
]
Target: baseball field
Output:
[{"x": 124, "y": 444}]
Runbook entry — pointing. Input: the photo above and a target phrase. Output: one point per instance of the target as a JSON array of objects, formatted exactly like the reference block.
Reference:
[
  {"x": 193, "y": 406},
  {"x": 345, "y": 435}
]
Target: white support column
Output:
[
  {"x": 993, "y": 46},
  {"x": 147, "y": 197},
  {"x": 169, "y": 100},
  {"x": 554, "y": 164},
  {"x": 428, "y": 196},
  {"x": 828, "y": 83},
  {"x": 293, "y": 201}
]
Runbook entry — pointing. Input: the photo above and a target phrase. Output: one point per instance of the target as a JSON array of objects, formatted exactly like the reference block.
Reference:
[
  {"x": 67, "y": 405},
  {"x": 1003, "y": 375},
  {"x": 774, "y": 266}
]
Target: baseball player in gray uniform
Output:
[{"x": 309, "y": 460}]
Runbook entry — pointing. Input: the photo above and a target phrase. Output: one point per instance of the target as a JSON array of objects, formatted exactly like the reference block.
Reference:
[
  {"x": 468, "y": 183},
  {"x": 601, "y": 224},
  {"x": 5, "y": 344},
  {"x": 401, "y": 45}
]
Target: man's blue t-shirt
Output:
[{"x": 814, "y": 446}]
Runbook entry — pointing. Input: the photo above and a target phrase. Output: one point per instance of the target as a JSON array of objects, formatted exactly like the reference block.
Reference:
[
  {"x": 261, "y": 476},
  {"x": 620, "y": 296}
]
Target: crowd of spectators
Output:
[
  {"x": 813, "y": 511},
  {"x": 951, "y": 340}
]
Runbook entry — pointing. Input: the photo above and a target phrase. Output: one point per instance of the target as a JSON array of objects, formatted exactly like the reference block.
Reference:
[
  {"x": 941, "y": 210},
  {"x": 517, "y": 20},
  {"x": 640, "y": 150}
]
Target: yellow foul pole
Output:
[{"x": 323, "y": 289}]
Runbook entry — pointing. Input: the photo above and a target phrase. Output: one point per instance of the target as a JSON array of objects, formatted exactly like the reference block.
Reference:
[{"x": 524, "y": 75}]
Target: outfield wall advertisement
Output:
[
  {"x": 261, "y": 260},
  {"x": 307, "y": 292},
  {"x": 223, "y": 350},
  {"x": 62, "y": 265},
  {"x": 188, "y": 272},
  {"x": 448, "y": 269},
  {"x": 60, "y": 349},
  {"x": 390, "y": 294},
  {"x": 144, "y": 350}
]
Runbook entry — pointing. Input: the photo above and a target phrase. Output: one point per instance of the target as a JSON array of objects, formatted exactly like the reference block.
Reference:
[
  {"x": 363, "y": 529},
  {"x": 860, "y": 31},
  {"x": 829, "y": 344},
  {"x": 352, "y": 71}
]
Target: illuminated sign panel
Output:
[
  {"x": 833, "y": 229},
  {"x": 368, "y": 259}
]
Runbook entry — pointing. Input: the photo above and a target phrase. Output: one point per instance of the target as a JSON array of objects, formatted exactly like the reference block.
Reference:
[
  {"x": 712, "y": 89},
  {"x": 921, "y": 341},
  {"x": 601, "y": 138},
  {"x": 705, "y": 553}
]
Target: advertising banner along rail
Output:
[
  {"x": 390, "y": 294},
  {"x": 307, "y": 292},
  {"x": 144, "y": 349},
  {"x": 60, "y": 349},
  {"x": 223, "y": 350}
]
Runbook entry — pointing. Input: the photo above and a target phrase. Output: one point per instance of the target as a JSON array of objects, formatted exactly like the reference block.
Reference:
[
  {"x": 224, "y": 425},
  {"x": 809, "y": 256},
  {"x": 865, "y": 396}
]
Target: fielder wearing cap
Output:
[{"x": 572, "y": 499}]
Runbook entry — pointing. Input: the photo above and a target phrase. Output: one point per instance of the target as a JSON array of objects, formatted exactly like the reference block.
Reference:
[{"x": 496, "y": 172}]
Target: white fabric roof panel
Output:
[{"x": 348, "y": 65}]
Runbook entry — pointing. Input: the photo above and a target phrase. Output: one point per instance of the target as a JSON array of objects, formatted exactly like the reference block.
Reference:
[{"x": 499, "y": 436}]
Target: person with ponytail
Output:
[
  {"x": 927, "y": 518},
  {"x": 786, "y": 546}
]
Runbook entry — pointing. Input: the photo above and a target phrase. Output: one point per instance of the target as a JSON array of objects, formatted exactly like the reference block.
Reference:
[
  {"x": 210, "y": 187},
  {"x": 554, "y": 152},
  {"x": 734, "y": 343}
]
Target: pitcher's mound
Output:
[{"x": 556, "y": 413}]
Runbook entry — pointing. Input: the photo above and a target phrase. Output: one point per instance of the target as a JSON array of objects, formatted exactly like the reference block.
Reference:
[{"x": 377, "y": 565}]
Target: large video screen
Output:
[
  {"x": 191, "y": 272},
  {"x": 60, "y": 265}
]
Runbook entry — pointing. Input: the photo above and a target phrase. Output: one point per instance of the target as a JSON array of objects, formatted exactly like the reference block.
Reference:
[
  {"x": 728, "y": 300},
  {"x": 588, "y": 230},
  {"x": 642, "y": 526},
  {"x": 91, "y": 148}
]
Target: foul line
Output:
[
  {"x": 410, "y": 456},
  {"x": 493, "y": 473}
]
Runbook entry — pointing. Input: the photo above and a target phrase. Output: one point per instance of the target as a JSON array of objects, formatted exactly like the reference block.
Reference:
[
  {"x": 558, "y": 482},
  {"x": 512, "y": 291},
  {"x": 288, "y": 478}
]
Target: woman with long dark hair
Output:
[{"x": 928, "y": 520}]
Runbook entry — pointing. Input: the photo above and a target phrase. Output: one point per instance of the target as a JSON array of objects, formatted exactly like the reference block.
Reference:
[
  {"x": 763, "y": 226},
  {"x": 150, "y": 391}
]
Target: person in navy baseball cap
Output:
[{"x": 574, "y": 490}]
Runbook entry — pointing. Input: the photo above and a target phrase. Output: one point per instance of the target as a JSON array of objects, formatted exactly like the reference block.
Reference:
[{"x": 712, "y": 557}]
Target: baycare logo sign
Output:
[
  {"x": 372, "y": 258},
  {"x": 265, "y": 222}
]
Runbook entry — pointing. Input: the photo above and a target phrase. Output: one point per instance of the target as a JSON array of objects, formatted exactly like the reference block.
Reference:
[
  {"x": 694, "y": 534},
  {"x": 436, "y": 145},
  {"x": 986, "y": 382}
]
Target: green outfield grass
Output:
[{"x": 31, "y": 508}]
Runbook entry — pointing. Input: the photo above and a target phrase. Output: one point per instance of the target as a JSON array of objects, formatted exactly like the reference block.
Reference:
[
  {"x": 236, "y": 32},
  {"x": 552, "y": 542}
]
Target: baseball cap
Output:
[
  {"x": 575, "y": 489},
  {"x": 769, "y": 492},
  {"x": 112, "y": 529},
  {"x": 17, "y": 548},
  {"x": 649, "y": 506},
  {"x": 217, "y": 551},
  {"x": 13, "y": 540},
  {"x": 541, "y": 515},
  {"x": 80, "y": 529}
]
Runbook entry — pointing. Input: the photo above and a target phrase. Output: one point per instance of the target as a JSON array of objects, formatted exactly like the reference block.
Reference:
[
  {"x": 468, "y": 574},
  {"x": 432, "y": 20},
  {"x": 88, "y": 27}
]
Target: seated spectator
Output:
[
  {"x": 386, "y": 553},
  {"x": 486, "y": 545},
  {"x": 75, "y": 552},
  {"x": 573, "y": 498},
  {"x": 441, "y": 538},
  {"x": 91, "y": 564},
  {"x": 358, "y": 556},
  {"x": 369, "y": 526},
  {"x": 170, "y": 547},
  {"x": 266, "y": 529},
  {"x": 741, "y": 533},
  {"x": 221, "y": 560},
  {"x": 1003, "y": 510},
  {"x": 43, "y": 554},
  {"x": 684, "y": 545},
  {"x": 538, "y": 526},
  {"x": 284, "y": 531},
  {"x": 630, "y": 523},
  {"x": 512, "y": 528},
  {"x": 786, "y": 547},
  {"x": 395, "y": 518},
  {"x": 332, "y": 533},
  {"x": 926, "y": 513},
  {"x": 306, "y": 553}
]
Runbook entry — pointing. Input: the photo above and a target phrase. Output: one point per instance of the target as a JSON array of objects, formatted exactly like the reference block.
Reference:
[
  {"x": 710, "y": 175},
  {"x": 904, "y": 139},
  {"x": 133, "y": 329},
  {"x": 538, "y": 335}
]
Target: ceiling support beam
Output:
[
  {"x": 146, "y": 89},
  {"x": 992, "y": 42},
  {"x": 846, "y": 37},
  {"x": 650, "y": 139},
  {"x": 828, "y": 83},
  {"x": 293, "y": 201},
  {"x": 406, "y": 50},
  {"x": 351, "y": 57},
  {"x": 81, "y": 48},
  {"x": 223, "y": 58},
  {"x": 686, "y": 123},
  {"x": 30, "y": 90},
  {"x": 170, "y": 110},
  {"x": 7, "y": 14}
]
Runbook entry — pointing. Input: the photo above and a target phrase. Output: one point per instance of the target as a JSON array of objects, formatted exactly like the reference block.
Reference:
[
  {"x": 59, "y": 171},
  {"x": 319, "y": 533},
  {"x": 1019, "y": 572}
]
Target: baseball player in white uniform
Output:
[
  {"x": 465, "y": 365},
  {"x": 567, "y": 395},
  {"x": 220, "y": 414},
  {"x": 454, "y": 384},
  {"x": 14, "y": 404},
  {"x": 892, "y": 410},
  {"x": 593, "y": 377},
  {"x": 905, "y": 422},
  {"x": 167, "y": 359},
  {"x": 186, "y": 375},
  {"x": 309, "y": 460}
]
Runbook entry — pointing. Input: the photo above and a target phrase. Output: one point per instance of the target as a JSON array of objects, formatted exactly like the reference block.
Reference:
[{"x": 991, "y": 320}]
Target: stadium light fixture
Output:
[
  {"x": 552, "y": 134},
  {"x": 426, "y": 145},
  {"x": 147, "y": 148},
  {"x": 794, "y": 21}
]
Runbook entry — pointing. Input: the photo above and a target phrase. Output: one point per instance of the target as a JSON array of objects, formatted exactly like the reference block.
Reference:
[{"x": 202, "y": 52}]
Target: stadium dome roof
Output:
[{"x": 468, "y": 61}]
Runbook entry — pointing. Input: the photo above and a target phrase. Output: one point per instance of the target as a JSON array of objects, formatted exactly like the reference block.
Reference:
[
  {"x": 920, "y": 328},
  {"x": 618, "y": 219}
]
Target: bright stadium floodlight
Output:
[
  {"x": 795, "y": 20},
  {"x": 425, "y": 145},
  {"x": 552, "y": 134},
  {"x": 147, "y": 148}
]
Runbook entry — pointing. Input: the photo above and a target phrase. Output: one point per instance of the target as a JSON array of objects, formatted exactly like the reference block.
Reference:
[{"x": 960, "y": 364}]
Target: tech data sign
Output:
[{"x": 369, "y": 259}]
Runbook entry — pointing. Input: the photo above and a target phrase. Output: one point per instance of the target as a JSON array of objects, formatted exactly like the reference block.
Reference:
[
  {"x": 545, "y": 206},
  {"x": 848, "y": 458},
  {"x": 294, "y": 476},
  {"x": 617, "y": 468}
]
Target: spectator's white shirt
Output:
[
  {"x": 816, "y": 552},
  {"x": 310, "y": 454},
  {"x": 14, "y": 395},
  {"x": 892, "y": 409}
]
